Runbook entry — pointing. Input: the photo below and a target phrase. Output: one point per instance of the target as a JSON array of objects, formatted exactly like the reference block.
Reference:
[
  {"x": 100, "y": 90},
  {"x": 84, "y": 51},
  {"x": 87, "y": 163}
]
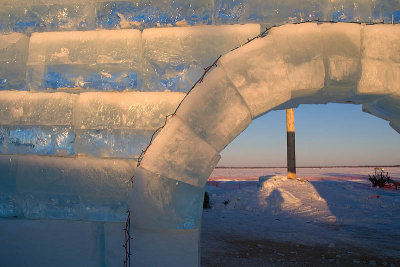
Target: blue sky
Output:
[{"x": 326, "y": 135}]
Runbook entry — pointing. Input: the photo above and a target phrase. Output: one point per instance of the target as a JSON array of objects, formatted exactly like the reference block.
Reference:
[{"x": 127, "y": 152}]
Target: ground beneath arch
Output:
[{"x": 335, "y": 217}]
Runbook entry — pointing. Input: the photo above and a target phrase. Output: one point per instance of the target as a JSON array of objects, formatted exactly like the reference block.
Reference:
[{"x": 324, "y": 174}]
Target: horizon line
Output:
[{"x": 300, "y": 167}]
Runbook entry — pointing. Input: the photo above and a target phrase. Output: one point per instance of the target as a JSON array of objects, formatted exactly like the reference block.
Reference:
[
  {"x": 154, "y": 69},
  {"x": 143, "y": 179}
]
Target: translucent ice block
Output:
[
  {"x": 98, "y": 208},
  {"x": 342, "y": 59},
  {"x": 8, "y": 203},
  {"x": 101, "y": 60},
  {"x": 259, "y": 72},
  {"x": 97, "y": 110},
  {"x": 73, "y": 188},
  {"x": 349, "y": 11},
  {"x": 302, "y": 50},
  {"x": 42, "y": 140},
  {"x": 13, "y": 57},
  {"x": 380, "y": 60},
  {"x": 161, "y": 203},
  {"x": 175, "y": 57},
  {"x": 178, "y": 248},
  {"x": 120, "y": 143},
  {"x": 36, "y": 108},
  {"x": 46, "y": 15},
  {"x": 383, "y": 11},
  {"x": 146, "y": 14},
  {"x": 215, "y": 110},
  {"x": 59, "y": 243},
  {"x": 273, "y": 12},
  {"x": 178, "y": 153},
  {"x": 3, "y": 136}
]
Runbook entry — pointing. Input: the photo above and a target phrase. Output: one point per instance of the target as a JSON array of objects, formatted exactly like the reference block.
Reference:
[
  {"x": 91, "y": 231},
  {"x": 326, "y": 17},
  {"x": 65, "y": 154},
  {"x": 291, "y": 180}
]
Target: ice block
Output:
[
  {"x": 46, "y": 15},
  {"x": 178, "y": 248},
  {"x": 42, "y": 140},
  {"x": 380, "y": 60},
  {"x": 174, "y": 58},
  {"x": 342, "y": 43},
  {"x": 100, "y": 110},
  {"x": 26, "y": 108},
  {"x": 116, "y": 143},
  {"x": 215, "y": 110},
  {"x": 8, "y": 200},
  {"x": 91, "y": 60},
  {"x": 272, "y": 12},
  {"x": 13, "y": 57},
  {"x": 147, "y": 14},
  {"x": 73, "y": 188},
  {"x": 160, "y": 203},
  {"x": 178, "y": 153},
  {"x": 260, "y": 74}
]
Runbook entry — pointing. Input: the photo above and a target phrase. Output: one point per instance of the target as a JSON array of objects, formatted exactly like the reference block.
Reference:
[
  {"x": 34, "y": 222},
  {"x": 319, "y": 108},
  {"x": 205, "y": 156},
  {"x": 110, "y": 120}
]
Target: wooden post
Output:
[{"x": 291, "y": 156}]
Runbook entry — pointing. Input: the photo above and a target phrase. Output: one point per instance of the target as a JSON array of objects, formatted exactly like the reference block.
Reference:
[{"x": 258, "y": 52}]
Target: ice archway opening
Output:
[{"x": 294, "y": 64}]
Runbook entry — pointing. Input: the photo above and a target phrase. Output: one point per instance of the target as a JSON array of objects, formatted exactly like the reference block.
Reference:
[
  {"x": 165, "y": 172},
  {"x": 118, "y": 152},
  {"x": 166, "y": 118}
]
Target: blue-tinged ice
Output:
[
  {"x": 109, "y": 78},
  {"x": 41, "y": 140},
  {"x": 92, "y": 60},
  {"x": 8, "y": 200},
  {"x": 13, "y": 57},
  {"x": 37, "y": 16},
  {"x": 148, "y": 14},
  {"x": 268, "y": 12},
  {"x": 116, "y": 143}
]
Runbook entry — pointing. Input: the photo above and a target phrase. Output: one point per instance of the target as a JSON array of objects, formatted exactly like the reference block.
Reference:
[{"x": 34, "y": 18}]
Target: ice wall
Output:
[
  {"x": 29, "y": 16},
  {"x": 116, "y": 125}
]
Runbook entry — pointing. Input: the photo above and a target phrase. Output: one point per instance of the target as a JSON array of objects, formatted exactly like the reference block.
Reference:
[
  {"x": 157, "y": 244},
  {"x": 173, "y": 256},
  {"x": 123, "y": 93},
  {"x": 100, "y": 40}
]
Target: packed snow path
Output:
[{"x": 292, "y": 65}]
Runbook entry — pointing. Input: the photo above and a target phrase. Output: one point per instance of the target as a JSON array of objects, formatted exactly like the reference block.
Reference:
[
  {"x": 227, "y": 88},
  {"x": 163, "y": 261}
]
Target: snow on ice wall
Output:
[{"x": 292, "y": 65}]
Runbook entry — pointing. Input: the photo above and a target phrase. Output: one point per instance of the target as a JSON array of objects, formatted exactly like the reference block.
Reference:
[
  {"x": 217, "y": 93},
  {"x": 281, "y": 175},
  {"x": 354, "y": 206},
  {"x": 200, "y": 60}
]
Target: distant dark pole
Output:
[{"x": 291, "y": 155}]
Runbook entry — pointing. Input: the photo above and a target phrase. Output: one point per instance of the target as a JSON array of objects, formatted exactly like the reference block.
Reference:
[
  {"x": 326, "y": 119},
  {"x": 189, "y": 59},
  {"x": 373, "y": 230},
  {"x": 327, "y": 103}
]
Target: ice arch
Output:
[{"x": 293, "y": 64}]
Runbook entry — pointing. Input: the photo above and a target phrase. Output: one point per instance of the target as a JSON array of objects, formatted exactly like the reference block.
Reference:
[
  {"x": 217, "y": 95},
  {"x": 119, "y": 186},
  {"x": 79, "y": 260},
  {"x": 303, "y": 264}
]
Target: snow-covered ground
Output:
[{"x": 333, "y": 209}]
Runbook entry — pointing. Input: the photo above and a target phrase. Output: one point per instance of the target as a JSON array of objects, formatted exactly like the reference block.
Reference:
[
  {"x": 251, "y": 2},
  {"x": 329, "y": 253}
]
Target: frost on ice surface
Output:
[
  {"x": 85, "y": 60},
  {"x": 208, "y": 109},
  {"x": 174, "y": 58},
  {"x": 163, "y": 203},
  {"x": 136, "y": 110},
  {"x": 13, "y": 57},
  {"x": 178, "y": 153},
  {"x": 26, "y": 108}
]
